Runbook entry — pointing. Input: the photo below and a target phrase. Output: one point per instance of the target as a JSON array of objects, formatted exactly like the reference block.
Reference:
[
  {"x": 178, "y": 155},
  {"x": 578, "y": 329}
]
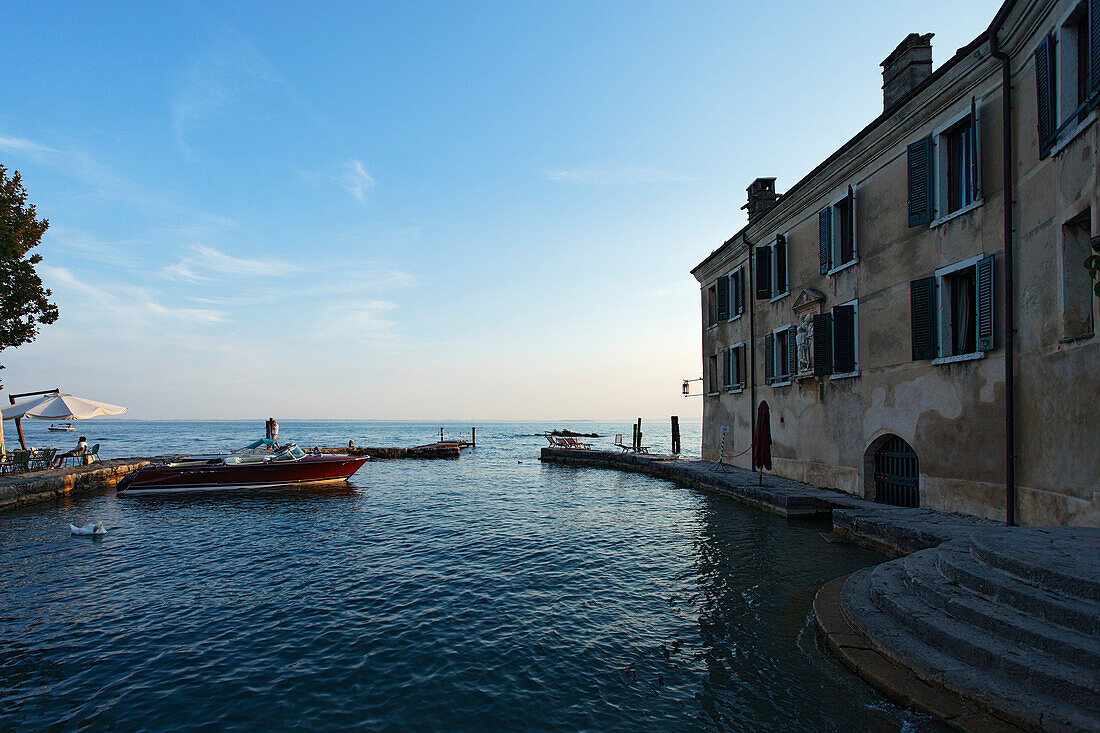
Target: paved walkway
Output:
[{"x": 896, "y": 530}]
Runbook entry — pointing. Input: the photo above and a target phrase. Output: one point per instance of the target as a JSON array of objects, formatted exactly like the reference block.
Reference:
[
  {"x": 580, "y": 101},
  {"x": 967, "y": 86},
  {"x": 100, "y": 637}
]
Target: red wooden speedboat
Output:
[{"x": 286, "y": 466}]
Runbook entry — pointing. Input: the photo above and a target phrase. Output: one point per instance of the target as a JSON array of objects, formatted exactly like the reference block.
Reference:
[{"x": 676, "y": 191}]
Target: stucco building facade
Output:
[{"x": 911, "y": 346}]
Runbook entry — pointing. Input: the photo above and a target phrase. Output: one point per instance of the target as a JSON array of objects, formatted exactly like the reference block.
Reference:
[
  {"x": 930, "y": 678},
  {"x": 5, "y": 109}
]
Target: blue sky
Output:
[{"x": 412, "y": 210}]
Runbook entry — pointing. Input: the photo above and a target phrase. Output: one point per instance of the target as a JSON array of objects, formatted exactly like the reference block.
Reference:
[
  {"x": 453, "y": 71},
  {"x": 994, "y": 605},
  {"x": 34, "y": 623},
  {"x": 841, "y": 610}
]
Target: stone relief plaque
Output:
[{"x": 806, "y": 306}]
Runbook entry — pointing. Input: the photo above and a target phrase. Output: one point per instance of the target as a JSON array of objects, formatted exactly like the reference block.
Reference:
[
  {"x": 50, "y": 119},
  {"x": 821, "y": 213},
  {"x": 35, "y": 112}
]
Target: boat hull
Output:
[{"x": 309, "y": 470}]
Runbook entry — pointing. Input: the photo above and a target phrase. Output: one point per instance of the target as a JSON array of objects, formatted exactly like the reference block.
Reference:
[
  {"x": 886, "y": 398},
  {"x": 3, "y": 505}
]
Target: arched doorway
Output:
[{"x": 896, "y": 472}]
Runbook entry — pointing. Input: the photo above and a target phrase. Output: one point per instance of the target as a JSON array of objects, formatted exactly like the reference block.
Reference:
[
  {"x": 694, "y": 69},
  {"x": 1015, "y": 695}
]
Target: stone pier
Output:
[{"x": 39, "y": 486}]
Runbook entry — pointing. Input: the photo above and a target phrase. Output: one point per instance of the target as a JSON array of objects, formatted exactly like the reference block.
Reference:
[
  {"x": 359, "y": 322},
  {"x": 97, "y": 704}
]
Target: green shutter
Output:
[
  {"x": 726, "y": 368},
  {"x": 739, "y": 293},
  {"x": 824, "y": 250},
  {"x": 1044, "y": 91},
  {"x": 823, "y": 349},
  {"x": 975, "y": 152},
  {"x": 792, "y": 351},
  {"x": 741, "y": 366},
  {"x": 844, "y": 339},
  {"x": 984, "y": 340},
  {"x": 780, "y": 264},
  {"x": 723, "y": 298},
  {"x": 763, "y": 273},
  {"x": 769, "y": 358},
  {"x": 852, "y": 222},
  {"x": 919, "y": 167},
  {"x": 1094, "y": 49},
  {"x": 922, "y": 303}
]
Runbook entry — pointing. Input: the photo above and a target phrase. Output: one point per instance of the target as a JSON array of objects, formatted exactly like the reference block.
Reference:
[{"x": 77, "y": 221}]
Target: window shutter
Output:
[
  {"x": 741, "y": 366},
  {"x": 738, "y": 293},
  {"x": 852, "y": 221},
  {"x": 763, "y": 273},
  {"x": 922, "y": 303},
  {"x": 823, "y": 350},
  {"x": 844, "y": 337},
  {"x": 984, "y": 341},
  {"x": 824, "y": 250},
  {"x": 1044, "y": 90},
  {"x": 1094, "y": 48},
  {"x": 792, "y": 351},
  {"x": 920, "y": 182},
  {"x": 726, "y": 368},
  {"x": 780, "y": 264},
  {"x": 723, "y": 298},
  {"x": 975, "y": 151},
  {"x": 769, "y": 358}
]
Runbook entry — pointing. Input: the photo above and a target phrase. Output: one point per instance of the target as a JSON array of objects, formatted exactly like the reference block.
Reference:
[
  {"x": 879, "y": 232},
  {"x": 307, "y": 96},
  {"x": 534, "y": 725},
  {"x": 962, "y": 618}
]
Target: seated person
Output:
[{"x": 81, "y": 447}]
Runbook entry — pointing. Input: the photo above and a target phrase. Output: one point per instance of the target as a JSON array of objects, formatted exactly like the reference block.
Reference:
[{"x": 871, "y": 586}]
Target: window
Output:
[
  {"x": 712, "y": 306},
  {"x": 771, "y": 270},
  {"x": 1067, "y": 75},
  {"x": 735, "y": 368},
  {"x": 837, "y": 233},
  {"x": 1077, "y": 295},
  {"x": 952, "y": 312},
  {"x": 712, "y": 374},
  {"x": 779, "y": 356},
  {"x": 836, "y": 342},
  {"x": 945, "y": 171},
  {"x": 737, "y": 293}
]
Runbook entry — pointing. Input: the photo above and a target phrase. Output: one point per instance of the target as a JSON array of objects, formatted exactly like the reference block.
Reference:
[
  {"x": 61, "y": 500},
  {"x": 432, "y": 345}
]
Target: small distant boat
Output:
[
  {"x": 289, "y": 465},
  {"x": 62, "y": 427}
]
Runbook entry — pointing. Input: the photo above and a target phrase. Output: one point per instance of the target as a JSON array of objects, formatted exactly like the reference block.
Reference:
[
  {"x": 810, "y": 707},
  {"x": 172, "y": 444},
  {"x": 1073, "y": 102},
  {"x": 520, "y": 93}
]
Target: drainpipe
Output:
[
  {"x": 751, "y": 297},
  {"x": 1009, "y": 320}
]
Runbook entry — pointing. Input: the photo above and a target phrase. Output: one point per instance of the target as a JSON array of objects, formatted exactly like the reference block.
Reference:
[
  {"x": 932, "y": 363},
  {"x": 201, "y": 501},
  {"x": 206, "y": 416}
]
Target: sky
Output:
[{"x": 417, "y": 210}]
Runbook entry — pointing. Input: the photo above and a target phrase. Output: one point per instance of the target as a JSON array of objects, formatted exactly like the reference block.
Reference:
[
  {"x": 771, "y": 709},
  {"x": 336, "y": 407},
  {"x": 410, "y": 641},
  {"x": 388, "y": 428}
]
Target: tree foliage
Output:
[{"x": 24, "y": 303}]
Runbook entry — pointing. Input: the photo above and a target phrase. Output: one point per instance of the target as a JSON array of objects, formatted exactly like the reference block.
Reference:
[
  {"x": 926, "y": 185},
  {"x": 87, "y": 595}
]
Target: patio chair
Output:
[
  {"x": 77, "y": 457},
  {"x": 18, "y": 461},
  {"x": 93, "y": 455},
  {"x": 44, "y": 459}
]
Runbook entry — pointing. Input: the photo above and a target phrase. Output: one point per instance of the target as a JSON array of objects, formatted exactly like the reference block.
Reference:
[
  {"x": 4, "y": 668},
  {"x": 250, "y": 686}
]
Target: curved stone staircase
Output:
[{"x": 1007, "y": 619}]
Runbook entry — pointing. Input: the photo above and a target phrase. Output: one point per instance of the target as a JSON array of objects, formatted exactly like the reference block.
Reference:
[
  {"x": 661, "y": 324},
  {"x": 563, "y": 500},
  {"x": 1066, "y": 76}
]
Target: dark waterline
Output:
[{"x": 488, "y": 592}]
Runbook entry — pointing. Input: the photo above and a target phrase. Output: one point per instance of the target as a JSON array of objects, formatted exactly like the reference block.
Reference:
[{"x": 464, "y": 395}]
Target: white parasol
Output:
[{"x": 57, "y": 406}]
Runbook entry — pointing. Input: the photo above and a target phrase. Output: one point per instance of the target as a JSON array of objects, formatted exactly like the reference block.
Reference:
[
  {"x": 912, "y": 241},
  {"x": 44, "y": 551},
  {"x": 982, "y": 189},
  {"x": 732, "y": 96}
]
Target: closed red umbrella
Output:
[{"x": 762, "y": 438}]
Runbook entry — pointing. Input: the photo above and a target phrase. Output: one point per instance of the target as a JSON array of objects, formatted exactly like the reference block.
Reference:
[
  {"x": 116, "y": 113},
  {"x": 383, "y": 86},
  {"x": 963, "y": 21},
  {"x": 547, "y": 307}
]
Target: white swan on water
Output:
[{"x": 96, "y": 528}]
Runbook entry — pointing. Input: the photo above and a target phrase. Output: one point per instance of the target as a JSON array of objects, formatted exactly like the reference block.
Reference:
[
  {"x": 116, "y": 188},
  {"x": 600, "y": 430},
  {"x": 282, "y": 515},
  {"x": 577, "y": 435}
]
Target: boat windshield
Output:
[{"x": 289, "y": 453}]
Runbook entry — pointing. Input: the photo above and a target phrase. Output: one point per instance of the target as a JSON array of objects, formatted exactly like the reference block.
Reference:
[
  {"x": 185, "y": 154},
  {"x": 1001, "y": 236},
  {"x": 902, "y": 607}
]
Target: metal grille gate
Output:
[{"x": 896, "y": 474}]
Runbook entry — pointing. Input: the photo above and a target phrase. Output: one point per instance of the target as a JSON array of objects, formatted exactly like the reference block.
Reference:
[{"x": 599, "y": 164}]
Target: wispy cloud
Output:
[
  {"x": 365, "y": 321},
  {"x": 129, "y": 306},
  {"x": 355, "y": 179},
  {"x": 229, "y": 67},
  {"x": 351, "y": 175},
  {"x": 201, "y": 262},
  {"x": 624, "y": 175}
]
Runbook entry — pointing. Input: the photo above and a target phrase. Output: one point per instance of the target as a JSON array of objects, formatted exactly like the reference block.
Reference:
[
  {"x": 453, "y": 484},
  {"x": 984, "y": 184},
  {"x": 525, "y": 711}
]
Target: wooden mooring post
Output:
[
  {"x": 675, "y": 434},
  {"x": 473, "y": 437},
  {"x": 638, "y": 436}
]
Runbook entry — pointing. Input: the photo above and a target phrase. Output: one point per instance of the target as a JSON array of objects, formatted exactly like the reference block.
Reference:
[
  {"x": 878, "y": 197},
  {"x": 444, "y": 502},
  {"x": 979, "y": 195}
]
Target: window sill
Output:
[
  {"x": 1070, "y": 135},
  {"x": 958, "y": 357},
  {"x": 712, "y": 326},
  {"x": 734, "y": 318},
  {"x": 786, "y": 382},
  {"x": 845, "y": 375},
  {"x": 1075, "y": 339},
  {"x": 958, "y": 212},
  {"x": 735, "y": 390},
  {"x": 713, "y": 394},
  {"x": 780, "y": 297},
  {"x": 843, "y": 267}
]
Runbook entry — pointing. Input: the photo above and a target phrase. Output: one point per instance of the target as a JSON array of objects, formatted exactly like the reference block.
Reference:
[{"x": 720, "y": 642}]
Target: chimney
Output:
[
  {"x": 762, "y": 196},
  {"x": 906, "y": 67}
]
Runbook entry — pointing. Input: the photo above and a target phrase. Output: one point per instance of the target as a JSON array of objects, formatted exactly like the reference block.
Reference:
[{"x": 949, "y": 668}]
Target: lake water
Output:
[{"x": 491, "y": 592}]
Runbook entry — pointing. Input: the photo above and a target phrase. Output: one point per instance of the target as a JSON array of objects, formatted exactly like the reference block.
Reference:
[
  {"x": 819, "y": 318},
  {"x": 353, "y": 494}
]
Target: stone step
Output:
[
  {"x": 924, "y": 580},
  {"x": 1066, "y": 561},
  {"x": 1020, "y": 704},
  {"x": 979, "y": 648},
  {"x": 956, "y": 563}
]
